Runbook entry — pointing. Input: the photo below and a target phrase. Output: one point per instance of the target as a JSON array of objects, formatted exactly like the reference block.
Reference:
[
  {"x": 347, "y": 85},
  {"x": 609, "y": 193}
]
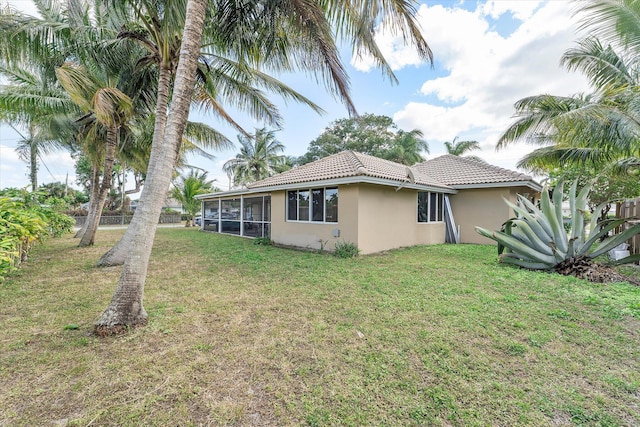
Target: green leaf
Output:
[
  {"x": 550, "y": 213},
  {"x": 517, "y": 246},
  {"x": 532, "y": 265}
]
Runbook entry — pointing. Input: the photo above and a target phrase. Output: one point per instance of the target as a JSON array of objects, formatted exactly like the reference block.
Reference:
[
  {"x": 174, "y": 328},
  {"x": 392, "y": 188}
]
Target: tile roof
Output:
[
  {"x": 348, "y": 164},
  {"x": 463, "y": 171}
]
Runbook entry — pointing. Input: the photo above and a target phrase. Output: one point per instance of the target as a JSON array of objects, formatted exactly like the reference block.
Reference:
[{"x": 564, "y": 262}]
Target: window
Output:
[
  {"x": 317, "y": 205},
  {"x": 430, "y": 206},
  {"x": 303, "y": 205}
]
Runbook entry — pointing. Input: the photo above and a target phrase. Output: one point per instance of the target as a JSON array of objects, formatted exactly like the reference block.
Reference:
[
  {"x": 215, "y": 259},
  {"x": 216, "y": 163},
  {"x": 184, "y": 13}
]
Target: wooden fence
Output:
[
  {"x": 168, "y": 218},
  {"x": 630, "y": 209}
]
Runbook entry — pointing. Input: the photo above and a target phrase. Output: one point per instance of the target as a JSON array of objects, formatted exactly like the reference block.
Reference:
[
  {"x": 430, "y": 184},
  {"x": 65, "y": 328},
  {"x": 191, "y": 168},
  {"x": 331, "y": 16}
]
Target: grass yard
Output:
[{"x": 241, "y": 334}]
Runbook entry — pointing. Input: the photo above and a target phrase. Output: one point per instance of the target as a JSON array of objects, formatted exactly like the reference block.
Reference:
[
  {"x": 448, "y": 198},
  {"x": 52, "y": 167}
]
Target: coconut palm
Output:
[
  {"x": 258, "y": 158},
  {"x": 32, "y": 99},
  {"x": 314, "y": 24},
  {"x": 601, "y": 128},
  {"x": 222, "y": 75},
  {"x": 407, "y": 147},
  {"x": 187, "y": 188},
  {"x": 98, "y": 96},
  {"x": 460, "y": 148}
]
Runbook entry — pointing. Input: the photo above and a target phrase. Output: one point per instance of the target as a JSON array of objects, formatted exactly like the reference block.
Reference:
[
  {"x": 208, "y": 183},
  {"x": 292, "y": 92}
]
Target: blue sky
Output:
[{"x": 488, "y": 55}]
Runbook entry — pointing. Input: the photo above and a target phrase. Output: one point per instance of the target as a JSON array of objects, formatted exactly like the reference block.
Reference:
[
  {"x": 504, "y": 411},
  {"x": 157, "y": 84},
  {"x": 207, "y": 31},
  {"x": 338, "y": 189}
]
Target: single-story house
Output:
[{"x": 374, "y": 203}]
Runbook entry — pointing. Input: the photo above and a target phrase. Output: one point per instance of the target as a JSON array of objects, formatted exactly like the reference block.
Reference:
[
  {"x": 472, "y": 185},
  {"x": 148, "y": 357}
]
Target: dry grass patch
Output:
[{"x": 241, "y": 334}]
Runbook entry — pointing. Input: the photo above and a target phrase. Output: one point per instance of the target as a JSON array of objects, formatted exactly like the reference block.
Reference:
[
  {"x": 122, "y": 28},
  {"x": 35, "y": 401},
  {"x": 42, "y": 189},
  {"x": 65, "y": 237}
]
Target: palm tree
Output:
[
  {"x": 221, "y": 75},
  {"x": 601, "y": 128},
  {"x": 459, "y": 148},
  {"x": 98, "y": 96},
  {"x": 407, "y": 147},
  {"x": 32, "y": 99},
  {"x": 311, "y": 23},
  {"x": 190, "y": 186},
  {"x": 258, "y": 158}
]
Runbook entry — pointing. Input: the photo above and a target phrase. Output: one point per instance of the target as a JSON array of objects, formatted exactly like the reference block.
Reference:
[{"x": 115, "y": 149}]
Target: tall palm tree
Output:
[
  {"x": 310, "y": 22},
  {"x": 460, "y": 148},
  {"x": 98, "y": 95},
  {"x": 227, "y": 73},
  {"x": 258, "y": 158},
  {"x": 187, "y": 188}
]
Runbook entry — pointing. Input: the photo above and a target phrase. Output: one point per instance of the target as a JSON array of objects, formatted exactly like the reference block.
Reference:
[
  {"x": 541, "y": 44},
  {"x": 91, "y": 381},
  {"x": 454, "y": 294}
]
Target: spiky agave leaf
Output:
[
  {"x": 518, "y": 247},
  {"x": 536, "y": 238}
]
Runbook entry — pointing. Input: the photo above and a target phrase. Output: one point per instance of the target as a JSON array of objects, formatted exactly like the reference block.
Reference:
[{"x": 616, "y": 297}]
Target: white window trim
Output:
[{"x": 429, "y": 207}]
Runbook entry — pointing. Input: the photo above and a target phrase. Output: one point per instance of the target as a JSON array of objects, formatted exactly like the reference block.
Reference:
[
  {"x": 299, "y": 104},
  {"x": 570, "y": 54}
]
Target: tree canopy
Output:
[
  {"x": 368, "y": 134},
  {"x": 259, "y": 158},
  {"x": 598, "y": 130}
]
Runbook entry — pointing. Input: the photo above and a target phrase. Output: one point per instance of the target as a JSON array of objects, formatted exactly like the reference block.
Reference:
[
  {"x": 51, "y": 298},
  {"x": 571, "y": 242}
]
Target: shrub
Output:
[
  {"x": 23, "y": 222},
  {"x": 536, "y": 238},
  {"x": 346, "y": 250},
  {"x": 262, "y": 241}
]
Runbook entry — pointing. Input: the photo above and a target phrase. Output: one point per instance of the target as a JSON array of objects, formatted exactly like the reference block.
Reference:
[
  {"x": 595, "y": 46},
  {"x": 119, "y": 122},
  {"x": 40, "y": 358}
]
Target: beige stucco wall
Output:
[
  {"x": 485, "y": 208},
  {"x": 374, "y": 217},
  {"x": 311, "y": 234},
  {"x": 389, "y": 219}
]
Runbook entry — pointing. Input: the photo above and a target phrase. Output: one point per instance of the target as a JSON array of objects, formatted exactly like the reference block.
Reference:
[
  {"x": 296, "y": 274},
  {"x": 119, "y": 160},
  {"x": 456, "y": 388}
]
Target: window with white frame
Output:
[
  {"x": 430, "y": 206},
  {"x": 313, "y": 205}
]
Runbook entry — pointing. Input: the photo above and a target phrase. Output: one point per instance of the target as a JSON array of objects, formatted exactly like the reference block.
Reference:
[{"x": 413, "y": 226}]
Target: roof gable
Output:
[{"x": 463, "y": 172}]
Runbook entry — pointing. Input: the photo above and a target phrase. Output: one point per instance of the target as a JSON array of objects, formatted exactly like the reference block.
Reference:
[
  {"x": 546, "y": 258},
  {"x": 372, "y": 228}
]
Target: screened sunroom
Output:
[{"x": 241, "y": 214}]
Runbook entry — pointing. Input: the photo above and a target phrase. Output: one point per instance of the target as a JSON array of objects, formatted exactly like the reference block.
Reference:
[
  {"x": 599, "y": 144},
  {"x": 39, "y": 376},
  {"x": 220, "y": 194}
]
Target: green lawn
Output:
[{"x": 241, "y": 334}]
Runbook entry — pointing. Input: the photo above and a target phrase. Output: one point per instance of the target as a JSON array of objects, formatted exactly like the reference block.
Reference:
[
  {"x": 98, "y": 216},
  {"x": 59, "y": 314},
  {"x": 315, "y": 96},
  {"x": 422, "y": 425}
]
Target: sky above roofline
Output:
[{"x": 488, "y": 55}]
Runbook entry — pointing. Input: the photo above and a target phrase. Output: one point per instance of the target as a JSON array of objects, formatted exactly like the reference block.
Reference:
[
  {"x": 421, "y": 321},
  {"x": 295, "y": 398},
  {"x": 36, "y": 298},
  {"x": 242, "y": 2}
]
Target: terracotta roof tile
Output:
[
  {"x": 349, "y": 164},
  {"x": 455, "y": 171}
]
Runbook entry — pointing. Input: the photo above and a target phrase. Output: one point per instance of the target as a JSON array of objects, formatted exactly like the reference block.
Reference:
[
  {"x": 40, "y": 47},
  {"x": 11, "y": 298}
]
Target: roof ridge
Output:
[
  {"x": 358, "y": 167},
  {"x": 484, "y": 165}
]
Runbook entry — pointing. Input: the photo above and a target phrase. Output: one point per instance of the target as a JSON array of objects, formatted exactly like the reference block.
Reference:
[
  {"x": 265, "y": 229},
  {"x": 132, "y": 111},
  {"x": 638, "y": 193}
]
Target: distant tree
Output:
[
  {"x": 186, "y": 188},
  {"x": 259, "y": 158},
  {"x": 407, "y": 147},
  {"x": 368, "y": 134},
  {"x": 288, "y": 162},
  {"x": 459, "y": 148},
  {"x": 72, "y": 197}
]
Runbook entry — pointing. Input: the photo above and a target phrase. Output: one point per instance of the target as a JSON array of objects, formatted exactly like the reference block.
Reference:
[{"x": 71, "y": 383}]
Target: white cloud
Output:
[
  {"x": 488, "y": 73},
  {"x": 521, "y": 10},
  {"x": 53, "y": 167},
  {"x": 25, "y": 6}
]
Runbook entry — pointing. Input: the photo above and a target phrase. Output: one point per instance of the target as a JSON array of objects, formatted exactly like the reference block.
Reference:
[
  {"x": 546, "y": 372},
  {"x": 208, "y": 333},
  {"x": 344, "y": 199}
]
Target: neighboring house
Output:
[
  {"x": 374, "y": 203},
  {"x": 170, "y": 204}
]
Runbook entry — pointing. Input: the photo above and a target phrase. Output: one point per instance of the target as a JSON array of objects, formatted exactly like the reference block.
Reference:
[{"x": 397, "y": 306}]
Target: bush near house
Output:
[{"x": 23, "y": 223}]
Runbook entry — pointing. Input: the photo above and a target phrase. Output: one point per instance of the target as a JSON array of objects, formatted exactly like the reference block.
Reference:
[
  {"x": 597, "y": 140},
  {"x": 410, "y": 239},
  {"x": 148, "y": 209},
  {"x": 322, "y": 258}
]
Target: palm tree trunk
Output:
[
  {"x": 126, "y": 309},
  {"x": 93, "y": 219},
  {"x": 93, "y": 197},
  {"x": 33, "y": 164},
  {"x": 117, "y": 254}
]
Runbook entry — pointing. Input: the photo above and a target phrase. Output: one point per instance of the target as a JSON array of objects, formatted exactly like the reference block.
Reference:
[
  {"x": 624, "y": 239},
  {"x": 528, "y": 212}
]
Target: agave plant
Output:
[{"x": 536, "y": 237}]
